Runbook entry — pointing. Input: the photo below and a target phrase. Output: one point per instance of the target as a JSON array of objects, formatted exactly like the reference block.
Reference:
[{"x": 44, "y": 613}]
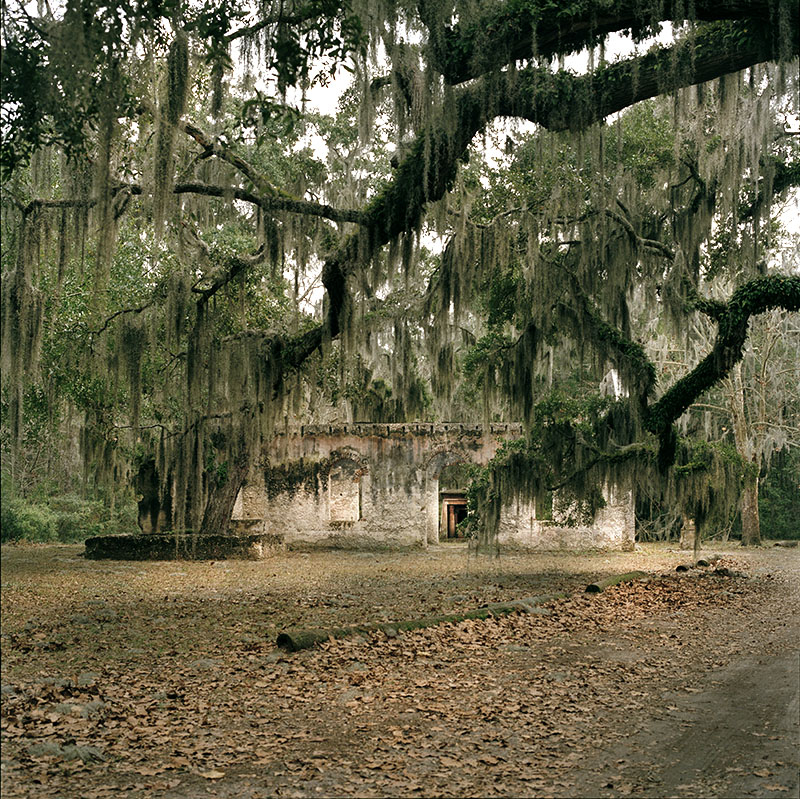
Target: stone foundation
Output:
[{"x": 169, "y": 546}]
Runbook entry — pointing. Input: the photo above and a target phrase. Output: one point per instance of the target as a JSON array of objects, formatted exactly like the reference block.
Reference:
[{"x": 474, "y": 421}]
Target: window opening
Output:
[{"x": 344, "y": 486}]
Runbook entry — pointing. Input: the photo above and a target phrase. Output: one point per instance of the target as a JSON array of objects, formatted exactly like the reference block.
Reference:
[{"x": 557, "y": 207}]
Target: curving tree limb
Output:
[
  {"x": 754, "y": 297},
  {"x": 514, "y": 31}
]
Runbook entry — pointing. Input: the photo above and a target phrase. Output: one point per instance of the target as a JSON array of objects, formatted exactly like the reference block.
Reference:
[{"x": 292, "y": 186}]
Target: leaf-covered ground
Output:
[{"x": 161, "y": 679}]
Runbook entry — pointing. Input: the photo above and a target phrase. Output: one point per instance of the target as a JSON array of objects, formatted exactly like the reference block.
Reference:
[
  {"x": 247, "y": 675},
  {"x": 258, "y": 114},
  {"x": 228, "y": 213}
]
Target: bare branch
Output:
[{"x": 110, "y": 319}]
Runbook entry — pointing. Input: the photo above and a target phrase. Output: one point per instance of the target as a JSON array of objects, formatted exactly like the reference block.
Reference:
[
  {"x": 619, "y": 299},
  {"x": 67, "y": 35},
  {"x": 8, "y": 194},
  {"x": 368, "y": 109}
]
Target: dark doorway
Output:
[{"x": 454, "y": 511}]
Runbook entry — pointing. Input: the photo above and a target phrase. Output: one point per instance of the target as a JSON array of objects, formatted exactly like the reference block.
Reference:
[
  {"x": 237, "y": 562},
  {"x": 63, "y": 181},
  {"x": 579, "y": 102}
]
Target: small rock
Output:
[
  {"x": 58, "y": 682},
  {"x": 276, "y": 656},
  {"x": 349, "y": 696},
  {"x": 88, "y": 754}
]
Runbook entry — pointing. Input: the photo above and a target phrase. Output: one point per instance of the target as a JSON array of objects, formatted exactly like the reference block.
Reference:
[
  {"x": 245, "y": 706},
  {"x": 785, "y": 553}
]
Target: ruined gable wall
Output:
[{"x": 398, "y": 470}]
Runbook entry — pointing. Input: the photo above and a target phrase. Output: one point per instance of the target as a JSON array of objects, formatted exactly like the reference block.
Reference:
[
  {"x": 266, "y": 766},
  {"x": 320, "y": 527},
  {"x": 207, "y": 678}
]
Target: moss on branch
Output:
[
  {"x": 754, "y": 297},
  {"x": 515, "y": 30},
  {"x": 564, "y": 101}
]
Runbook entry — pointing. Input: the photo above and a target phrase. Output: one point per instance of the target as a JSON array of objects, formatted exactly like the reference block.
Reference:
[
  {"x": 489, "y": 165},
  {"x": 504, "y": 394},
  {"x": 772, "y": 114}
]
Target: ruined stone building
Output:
[{"x": 400, "y": 486}]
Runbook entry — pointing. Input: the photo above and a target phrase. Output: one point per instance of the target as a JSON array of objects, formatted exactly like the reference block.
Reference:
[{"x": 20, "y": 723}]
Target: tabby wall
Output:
[{"x": 377, "y": 486}]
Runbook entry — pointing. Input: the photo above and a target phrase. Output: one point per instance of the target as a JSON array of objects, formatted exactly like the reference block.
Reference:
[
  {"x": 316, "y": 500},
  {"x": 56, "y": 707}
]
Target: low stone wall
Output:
[{"x": 172, "y": 546}]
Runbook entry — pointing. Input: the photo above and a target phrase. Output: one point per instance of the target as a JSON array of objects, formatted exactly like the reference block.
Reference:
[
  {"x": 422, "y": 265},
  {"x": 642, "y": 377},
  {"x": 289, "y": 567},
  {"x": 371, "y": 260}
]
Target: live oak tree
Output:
[{"x": 158, "y": 174}]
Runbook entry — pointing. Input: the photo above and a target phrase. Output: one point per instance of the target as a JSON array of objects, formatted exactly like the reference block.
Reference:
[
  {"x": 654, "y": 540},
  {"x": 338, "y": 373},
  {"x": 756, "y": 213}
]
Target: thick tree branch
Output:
[
  {"x": 558, "y": 101},
  {"x": 236, "y": 266},
  {"x": 300, "y": 16},
  {"x": 714, "y": 309},
  {"x": 269, "y": 203},
  {"x": 752, "y": 298},
  {"x": 563, "y": 101},
  {"x": 268, "y": 196},
  {"x": 215, "y": 147},
  {"x": 273, "y": 203},
  {"x": 514, "y": 31}
]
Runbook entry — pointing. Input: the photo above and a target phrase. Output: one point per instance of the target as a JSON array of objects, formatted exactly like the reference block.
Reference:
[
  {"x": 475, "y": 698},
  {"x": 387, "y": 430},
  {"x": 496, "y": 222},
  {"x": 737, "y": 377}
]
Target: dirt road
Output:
[
  {"x": 164, "y": 677},
  {"x": 733, "y": 728}
]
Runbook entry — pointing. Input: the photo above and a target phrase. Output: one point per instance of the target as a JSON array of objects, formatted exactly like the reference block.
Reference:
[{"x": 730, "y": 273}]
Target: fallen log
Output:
[
  {"x": 295, "y": 640},
  {"x": 787, "y": 544},
  {"x": 685, "y": 567},
  {"x": 601, "y": 585}
]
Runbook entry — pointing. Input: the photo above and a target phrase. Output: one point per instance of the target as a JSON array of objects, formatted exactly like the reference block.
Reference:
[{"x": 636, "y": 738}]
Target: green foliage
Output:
[
  {"x": 566, "y": 431},
  {"x": 779, "y": 497},
  {"x": 23, "y": 521},
  {"x": 66, "y": 518},
  {"x": 176, "y": 290},
  {"x": 709, "y": 476},
  {"x": 642, "y": 143},
  {"x": 78, "y": 519}
]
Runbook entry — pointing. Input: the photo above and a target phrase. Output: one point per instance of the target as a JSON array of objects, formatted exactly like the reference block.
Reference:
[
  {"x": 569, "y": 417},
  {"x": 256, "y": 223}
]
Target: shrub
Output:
[
  {"x": 78, "y": 518},
  {"x": 66, "y": 518},
  {"x": 23, "y": 521}
]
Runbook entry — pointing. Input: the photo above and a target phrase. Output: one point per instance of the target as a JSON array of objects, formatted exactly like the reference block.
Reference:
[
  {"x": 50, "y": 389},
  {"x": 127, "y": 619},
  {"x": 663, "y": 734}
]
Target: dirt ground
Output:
[{"x": 162, "y": 679}]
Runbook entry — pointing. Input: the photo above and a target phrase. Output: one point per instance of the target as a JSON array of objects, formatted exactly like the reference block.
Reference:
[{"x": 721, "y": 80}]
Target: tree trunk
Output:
[
  {"x": 219, "y": 509},
  {"x": 751, "y": 524},
  {"x": 295, "y": 640},
  {"x": 745, "y": 446},
  {"x": 689, "y": 536}
]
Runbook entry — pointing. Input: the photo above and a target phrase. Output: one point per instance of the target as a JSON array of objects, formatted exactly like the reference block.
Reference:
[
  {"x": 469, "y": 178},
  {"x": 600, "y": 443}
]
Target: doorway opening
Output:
[{"x": 454, "y": 511}]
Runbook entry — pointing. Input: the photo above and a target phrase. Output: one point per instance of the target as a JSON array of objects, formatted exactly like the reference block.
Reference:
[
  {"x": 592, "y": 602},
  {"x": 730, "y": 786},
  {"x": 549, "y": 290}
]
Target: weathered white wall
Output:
[
  {"x": 393, "y": 499},
  {"x": 613, "y": 527}
]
